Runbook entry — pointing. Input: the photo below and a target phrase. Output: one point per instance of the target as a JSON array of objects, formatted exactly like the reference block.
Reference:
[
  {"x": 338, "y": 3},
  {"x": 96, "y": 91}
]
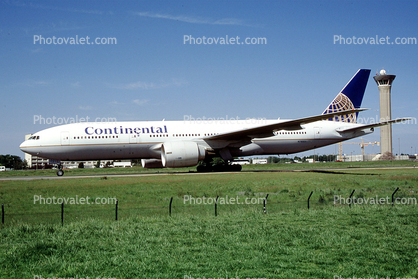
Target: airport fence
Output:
[{"x": 178, "y": 206}]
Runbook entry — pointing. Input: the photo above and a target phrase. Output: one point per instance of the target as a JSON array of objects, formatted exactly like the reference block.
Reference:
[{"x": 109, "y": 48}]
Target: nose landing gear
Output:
[{"x": 60, "y": 172}]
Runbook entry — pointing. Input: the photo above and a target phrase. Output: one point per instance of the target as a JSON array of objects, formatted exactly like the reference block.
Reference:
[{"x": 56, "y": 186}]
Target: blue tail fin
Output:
[{"x": 350, "y": 97}]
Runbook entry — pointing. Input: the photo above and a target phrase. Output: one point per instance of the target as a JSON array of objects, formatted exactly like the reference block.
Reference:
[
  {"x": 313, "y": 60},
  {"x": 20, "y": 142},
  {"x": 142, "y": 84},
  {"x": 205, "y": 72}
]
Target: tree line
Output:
[
  {"x": 12, "y": 162},
  {"x": 318, "y": 158}
]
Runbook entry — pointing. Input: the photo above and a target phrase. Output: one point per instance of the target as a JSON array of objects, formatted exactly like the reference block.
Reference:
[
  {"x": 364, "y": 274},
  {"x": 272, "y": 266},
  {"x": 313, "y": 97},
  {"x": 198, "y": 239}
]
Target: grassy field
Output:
[
  {"x": 289, "y": 241},
  {"x": 269, "y": 167},
  {"x": 362, "y": 242}
]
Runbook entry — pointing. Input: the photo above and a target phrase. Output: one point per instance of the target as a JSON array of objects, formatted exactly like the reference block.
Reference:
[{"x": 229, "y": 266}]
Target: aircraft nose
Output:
[{"x": 24, "y": 147}]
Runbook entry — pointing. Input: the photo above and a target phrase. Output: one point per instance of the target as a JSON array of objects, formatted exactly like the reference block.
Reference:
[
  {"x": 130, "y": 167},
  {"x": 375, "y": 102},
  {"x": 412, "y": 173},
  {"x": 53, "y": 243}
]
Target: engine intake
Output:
[{"x": 181, "y": 154}]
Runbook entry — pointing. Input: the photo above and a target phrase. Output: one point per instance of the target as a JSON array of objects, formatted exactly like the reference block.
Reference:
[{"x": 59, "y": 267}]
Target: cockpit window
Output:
[{"x": 33, "y": 138}]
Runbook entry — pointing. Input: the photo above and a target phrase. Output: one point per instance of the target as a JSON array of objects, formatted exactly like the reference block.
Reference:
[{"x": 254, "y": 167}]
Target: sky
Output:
[{"x": 152, "y": 63}]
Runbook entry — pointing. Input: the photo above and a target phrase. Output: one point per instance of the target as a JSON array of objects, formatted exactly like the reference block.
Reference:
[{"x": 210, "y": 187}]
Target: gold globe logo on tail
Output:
[{"x": 341, "y": 103}]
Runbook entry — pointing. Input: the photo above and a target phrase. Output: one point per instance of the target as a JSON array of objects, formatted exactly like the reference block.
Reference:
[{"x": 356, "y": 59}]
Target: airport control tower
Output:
[{"x": 384, "y": 82}]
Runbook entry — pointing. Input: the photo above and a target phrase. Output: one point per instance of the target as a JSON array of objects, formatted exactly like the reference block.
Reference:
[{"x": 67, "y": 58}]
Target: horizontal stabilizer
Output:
[{"x": 359, "y": 128}]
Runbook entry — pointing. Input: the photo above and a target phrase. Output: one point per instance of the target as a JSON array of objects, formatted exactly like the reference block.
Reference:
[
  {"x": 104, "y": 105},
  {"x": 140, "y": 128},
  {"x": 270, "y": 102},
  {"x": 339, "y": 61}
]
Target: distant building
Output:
[
  {"x": 259, "y": 161},
  {"x": 240, "y": 161},
  {"x": 38, "y": 162},
  {"x": 384, "y": 83},
  {"x": 371, "y": 157},
  {"x": 123, "y": 164},
  {"x": 34, "y": 161}
]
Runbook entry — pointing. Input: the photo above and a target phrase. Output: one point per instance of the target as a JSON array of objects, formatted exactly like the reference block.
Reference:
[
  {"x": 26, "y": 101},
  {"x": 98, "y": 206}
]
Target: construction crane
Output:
[{"x": 362, "y": 146}]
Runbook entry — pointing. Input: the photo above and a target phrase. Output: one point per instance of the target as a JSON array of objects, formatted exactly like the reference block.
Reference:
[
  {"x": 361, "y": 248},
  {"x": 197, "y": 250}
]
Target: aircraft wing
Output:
[
  {"x": 268, "y": 130},
  {"x": 355, "y": 129}
]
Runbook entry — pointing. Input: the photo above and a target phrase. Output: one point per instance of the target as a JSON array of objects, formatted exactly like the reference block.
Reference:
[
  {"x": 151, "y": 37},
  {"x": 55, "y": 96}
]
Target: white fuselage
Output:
[{"x": 143, "y": 139}]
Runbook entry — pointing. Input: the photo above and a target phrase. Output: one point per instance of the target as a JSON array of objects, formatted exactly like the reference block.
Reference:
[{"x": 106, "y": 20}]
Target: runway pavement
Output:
[{"x": 322, "y": 170}]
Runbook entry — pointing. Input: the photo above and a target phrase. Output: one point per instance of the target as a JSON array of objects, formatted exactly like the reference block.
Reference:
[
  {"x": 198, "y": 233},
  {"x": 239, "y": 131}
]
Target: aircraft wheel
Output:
[
  {"x": 60, "y": 173},
  {"x": 237, "y": 168},
  {"x": 233, "y": 168},
  {"x": 203, "y": 168}
]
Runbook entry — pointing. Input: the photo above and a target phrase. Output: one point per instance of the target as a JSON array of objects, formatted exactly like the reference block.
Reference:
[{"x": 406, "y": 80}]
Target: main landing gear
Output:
[
  {"x": 219, "y": 166},
  {"x": 60, "y": 172}
]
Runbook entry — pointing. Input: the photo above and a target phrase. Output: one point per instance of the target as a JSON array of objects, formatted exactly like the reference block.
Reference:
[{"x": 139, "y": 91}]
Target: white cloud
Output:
[
  {"x": 55, "y": 8},
  {"x": 139, "y": 85},
  {"x": 40, "y": 82},
  {"x": 37, "y": 50},
  {"x": 140, "y": 102},
  {"x": 116, "y": 103},
  {"x": 85, "y": 107},
  {"x": 196, "y": 20},
  {"x": 33, "y": 83},
  {"x": 151, "y": 85}
]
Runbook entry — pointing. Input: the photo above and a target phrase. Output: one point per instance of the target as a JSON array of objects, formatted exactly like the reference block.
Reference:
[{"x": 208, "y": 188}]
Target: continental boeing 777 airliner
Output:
[{"x": 170, "y": 144}]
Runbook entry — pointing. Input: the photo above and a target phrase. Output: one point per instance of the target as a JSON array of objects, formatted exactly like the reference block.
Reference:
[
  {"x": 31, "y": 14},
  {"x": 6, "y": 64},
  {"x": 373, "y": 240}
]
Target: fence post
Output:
[
  {"x": 309, "y": 198},
  {"x": 394, "y": 194},
  {"x": 350, "y": 198},
  {"x": 216, "y": 206},
  {"x": 116, "y": 210},
  {"x": 264, "y": 203},
  {"x": 2, "y": 214},
  {"x": 62, "y": 214},
  {"x": 169, "y": 208}
]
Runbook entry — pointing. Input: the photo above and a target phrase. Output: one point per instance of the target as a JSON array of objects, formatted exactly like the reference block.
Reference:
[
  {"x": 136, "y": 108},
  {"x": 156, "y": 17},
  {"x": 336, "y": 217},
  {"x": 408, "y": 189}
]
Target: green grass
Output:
[
  {"x": 96, "y": 171},
  {"x": 287, "y": 242},
  {"x": 333, "y": 165},
  {"x": 361, "y": 241},
  {"x": 138, "y": 169},
  {"x": 150, "y": 195}
]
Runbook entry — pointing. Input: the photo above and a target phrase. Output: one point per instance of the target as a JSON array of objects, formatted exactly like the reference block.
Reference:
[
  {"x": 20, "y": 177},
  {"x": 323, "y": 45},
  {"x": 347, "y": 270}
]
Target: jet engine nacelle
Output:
[{"x": 181, "y": 154}]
